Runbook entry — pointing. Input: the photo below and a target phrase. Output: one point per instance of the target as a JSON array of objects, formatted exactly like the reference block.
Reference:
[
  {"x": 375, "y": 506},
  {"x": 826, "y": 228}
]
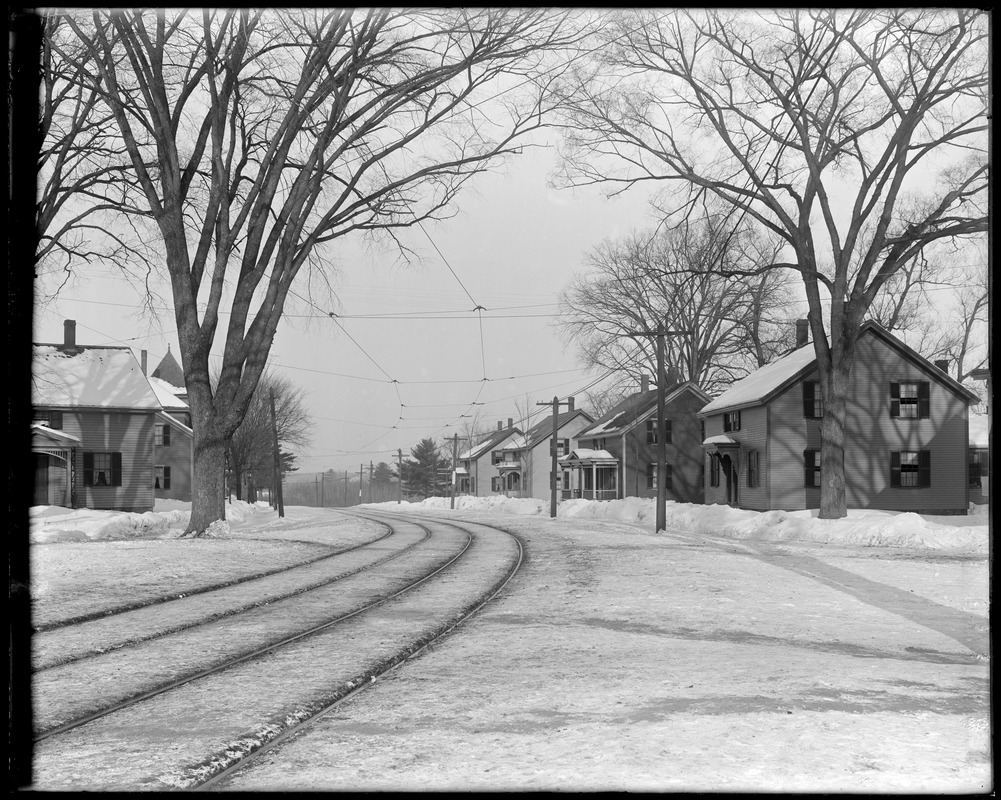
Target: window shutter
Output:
[
  {"x": 166, "y": 436},
  {"x": 668, "y": 431},
  {"x": 668, "y": 477},
  {"x": 924, "y": 400},
  {"x": 88, "y": 469},
  {"x": 924, "y": 468},
  {"x": 56, "y": 420},
  {"x": 808, "y": 466},
  {"x": 894, "y": 399},
  {"x": 808, "y": 398},
  {"x": 894, "y": 469},
  {"x": 166, "y": 477},
  {"x": 116, "y": 469}
]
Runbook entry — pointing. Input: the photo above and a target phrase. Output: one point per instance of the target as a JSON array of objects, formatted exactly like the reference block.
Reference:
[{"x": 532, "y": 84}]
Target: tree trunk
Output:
[
  {"x": 833, "y": 495},
  {"x": 208, "y": 490}
]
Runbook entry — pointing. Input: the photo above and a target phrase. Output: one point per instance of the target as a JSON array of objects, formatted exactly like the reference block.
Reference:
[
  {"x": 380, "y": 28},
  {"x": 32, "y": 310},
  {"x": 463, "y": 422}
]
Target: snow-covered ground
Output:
[
  {"x": 865, "y": 528},
  {"x": 738, "y": 651}
]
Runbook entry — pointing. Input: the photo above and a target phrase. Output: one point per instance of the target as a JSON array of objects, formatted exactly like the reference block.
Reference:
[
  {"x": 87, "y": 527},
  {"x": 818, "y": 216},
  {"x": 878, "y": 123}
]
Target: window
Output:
[
  {"x": 651, "y": 477},
  {"x": 597, "y": 444},
  {"x": 910, "y": 400},
  {"x": 978, "y": 466},
  {"x": 651, "y": 431},
  {"x": 102, "y": 469},
  {"x": 668, "y": 434},
  {"x": 562, "y": 447},
  {"x": 162, "y": 477},
  {"x": 811, "y": 468},
  {"x": 714, "y": 470},
  {"x": 496, "y": 484},
  {"x": 813, "y": 405},
  {"x": 753, "y": 468},
  {"x": 910, "y": 468},
  {"x": 731, "y": 421},
  {"x": 497, "y": 457},
  {"x": 161, "y": 436}
]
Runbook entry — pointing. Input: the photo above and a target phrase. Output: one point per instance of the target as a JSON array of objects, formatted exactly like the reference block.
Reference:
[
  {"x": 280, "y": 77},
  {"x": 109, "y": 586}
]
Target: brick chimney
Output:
[
  {"x": 943, "y": 364},
  {"x": 644, "y": 383},
  {"x": 500, "y": 425},
  {"x": 802, "y": 332},
  {"x": 69, "y": 333},
  {"x": 510, "y": 422},
  {"x": 570, "y": 403},
  {"x": 142, "y": 360}
]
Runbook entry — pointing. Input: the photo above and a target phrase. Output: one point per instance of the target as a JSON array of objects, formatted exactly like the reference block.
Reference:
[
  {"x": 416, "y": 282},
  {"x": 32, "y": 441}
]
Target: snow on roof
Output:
[
  {"x": 585, "y": 455},
  {"x": 489, "y": 443},
  {"x": 167, "y": 393},
  {"x": 100, "y": 377},
  {"x": 721, "y": 439},
  {"x": 517, "y": 443},
  {"x": 760, "y": 383},
  {"x": 52, "y": 433},
  {"x": 979, "y": 431}
]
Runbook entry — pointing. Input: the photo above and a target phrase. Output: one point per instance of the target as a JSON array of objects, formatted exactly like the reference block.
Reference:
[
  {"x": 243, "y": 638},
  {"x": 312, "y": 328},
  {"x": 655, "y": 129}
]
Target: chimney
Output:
[
  {"x": 644, "y": 383},
  {"x": 510, "y": 422},
  {"x": 943, "y": 364},
  {"x": 142, "y": 360},
  {"x": 500, "y": 425},
  {"x": 570, "y": 403},
  {"x": 802, "y": 332},
  {"x": 69, "y": 333}
]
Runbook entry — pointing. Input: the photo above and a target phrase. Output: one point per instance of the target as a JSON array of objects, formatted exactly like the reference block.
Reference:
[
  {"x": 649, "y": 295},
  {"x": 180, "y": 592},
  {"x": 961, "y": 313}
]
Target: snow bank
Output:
[
  {"x": 860, "y": 527},
  {"x": 168, "y": 519}
]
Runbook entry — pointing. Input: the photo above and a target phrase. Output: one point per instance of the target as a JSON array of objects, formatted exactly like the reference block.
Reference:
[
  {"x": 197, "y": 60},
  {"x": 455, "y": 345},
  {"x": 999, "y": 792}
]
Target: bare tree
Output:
[
  {"x": 858, "y": 136},
  {"x": 86, "y": 209},
  {"x": 733, "y": 323},
  {"x": 257, "y": 137},
  {"x": 251, "y": 447}
]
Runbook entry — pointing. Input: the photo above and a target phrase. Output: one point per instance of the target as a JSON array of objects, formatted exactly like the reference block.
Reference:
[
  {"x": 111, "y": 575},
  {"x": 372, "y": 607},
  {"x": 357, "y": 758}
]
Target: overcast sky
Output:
[{"x": 512, "y": 247}]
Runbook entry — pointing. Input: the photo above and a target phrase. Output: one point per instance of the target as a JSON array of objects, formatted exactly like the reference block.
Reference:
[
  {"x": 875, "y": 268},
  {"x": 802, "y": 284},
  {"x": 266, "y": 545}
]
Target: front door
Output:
[{"x": 729, "y": 468}]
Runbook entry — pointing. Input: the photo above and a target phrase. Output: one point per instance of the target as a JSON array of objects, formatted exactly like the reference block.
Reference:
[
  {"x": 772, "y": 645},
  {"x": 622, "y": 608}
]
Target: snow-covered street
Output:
[{"x": 780, "y": 653}]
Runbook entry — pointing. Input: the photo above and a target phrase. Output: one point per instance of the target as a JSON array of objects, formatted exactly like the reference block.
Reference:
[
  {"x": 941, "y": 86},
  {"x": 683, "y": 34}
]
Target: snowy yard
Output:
[{"x": 736, "y": 652}]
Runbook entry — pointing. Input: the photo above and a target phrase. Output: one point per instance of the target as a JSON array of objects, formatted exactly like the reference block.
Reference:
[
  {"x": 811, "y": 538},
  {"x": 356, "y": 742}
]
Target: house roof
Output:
[
  {"x": 543, "y": 430},
  {"x": 493, "y": 439},
  {"x": 170, "y": 371},
  {"x": 771, "y": 379},
  {"x": 634, "y": 408},
  {"x": 96, "y": 377},
  {"x": 175, "y": 423},
  {"x": 167, "y": 394}
]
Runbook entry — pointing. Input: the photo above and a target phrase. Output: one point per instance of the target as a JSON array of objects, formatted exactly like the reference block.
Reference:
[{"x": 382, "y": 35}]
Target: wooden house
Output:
[
  {"x": 173, "y": 444},
  {"x": 906, "y": 437},
  {"x": 525, "y": 463},
  {"x": 616, "y": 456},
  {"x": 476, "y": 472},
  {"x": 93, "y": 432}
]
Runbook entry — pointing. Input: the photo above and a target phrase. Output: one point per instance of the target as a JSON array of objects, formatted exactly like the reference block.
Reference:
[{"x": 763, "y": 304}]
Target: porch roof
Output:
[
  {"x": 587, "y": 458},
  {"x": 44, "y": 436},
  {"x": 720, "y": 442}
]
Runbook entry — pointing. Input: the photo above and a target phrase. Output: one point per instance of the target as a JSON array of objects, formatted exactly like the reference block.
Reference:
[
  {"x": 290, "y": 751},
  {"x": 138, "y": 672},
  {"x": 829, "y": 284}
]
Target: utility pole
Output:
[
  {"x": 345, "y": 488},
  {"x": 455, "y": 445},
  {"x": 280, "y": 504},
  {"x": 371, "y": 499},
  {"x": 552, "y": 447},
  {"x": 361, "y": 482},
  {"x": 661, "y": 332},
  {"x": 399, "y": 476}
]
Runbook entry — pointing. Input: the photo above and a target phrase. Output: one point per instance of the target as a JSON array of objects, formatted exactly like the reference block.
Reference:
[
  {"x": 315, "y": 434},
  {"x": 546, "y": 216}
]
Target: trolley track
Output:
[{"x": 307, "y": 673}]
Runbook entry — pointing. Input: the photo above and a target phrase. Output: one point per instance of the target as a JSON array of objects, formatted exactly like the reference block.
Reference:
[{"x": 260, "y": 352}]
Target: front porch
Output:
[
  {"x": 595, "y": 475},
  {"x": 53, "y": 452}
]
